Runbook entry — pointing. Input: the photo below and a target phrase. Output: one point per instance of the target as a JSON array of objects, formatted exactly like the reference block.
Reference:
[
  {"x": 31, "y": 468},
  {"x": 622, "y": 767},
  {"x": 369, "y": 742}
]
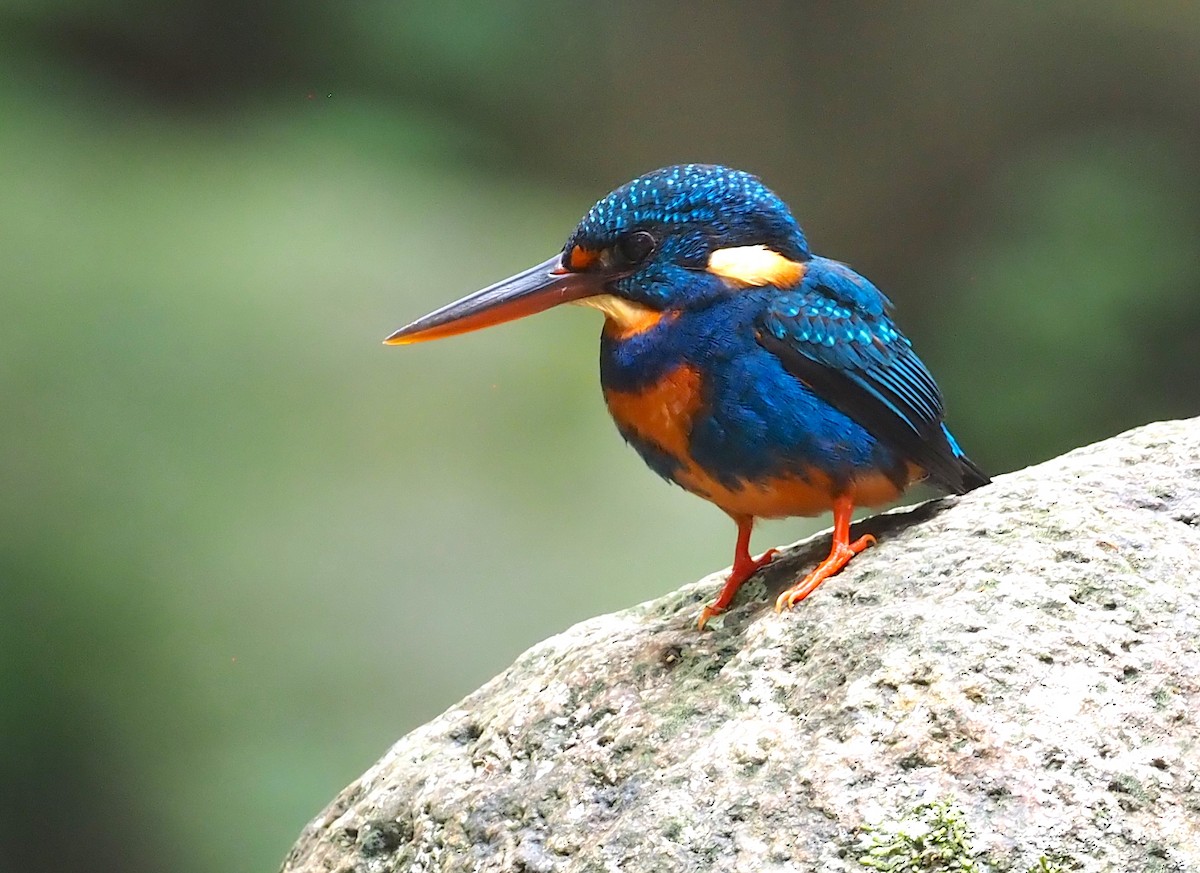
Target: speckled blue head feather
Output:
[{"x": 704, "y": 206}]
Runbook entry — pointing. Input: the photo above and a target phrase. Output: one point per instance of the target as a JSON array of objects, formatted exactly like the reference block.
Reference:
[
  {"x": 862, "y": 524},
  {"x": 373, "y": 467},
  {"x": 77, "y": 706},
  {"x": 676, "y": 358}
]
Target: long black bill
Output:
[{"x": 534, "y": 290}]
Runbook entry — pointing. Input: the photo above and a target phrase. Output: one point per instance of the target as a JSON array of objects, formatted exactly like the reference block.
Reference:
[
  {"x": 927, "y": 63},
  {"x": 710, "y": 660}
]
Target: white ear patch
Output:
[{"x": 755, "y": 265}]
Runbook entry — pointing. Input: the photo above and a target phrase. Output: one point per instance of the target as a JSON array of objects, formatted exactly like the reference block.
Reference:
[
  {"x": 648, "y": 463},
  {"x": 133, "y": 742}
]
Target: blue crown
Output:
[{"x": 730, "y": 207}]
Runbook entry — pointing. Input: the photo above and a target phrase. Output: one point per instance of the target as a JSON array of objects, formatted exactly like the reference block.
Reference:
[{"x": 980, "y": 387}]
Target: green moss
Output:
[
  {"x": 1134, "y": 794},
  {"x": 1045, "y": 865},
  {"x": 675, "y": 717},
  {"x": 932, "y": 837},
  {"x": 383, "y": 837}
]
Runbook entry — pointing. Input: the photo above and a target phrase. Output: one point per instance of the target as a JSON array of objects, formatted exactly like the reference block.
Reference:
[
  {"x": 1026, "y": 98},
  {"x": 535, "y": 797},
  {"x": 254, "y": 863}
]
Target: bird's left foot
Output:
[
  {"x": 743, "y": 568},
  {"x": 839, "y": 557}
]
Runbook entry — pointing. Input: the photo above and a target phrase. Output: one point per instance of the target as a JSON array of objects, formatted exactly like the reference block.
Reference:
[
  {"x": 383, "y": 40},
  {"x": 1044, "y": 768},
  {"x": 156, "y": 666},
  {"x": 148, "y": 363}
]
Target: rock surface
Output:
[{"x": 1023, "y": 659}]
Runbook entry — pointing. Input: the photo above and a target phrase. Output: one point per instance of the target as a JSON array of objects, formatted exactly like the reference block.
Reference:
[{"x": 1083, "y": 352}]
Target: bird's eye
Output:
[{"x": 633, "y": 248}]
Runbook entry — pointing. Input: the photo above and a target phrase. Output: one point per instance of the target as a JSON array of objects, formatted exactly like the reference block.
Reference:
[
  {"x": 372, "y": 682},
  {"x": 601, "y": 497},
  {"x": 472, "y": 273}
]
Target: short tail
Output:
[
  {"x": 969, "y": 475},
  {"x": 973, "y": 477}
]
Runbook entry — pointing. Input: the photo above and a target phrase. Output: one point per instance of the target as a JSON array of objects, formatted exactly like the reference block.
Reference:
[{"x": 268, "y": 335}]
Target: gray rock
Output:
[{"x": 1008, "y": 681}]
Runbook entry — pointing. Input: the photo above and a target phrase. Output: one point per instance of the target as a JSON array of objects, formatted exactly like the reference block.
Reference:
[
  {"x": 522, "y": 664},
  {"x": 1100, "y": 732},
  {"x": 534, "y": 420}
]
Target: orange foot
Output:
[
  {"x": 743, "y": 568},
  {"x": 839, "y": 555}
]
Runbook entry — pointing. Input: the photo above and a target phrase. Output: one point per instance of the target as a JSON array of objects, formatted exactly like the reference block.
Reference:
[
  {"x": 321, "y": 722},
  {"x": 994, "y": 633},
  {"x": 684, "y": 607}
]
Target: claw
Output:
[
  {"x": 840, "y": 554},
  {"x": 743, "y": 568}
]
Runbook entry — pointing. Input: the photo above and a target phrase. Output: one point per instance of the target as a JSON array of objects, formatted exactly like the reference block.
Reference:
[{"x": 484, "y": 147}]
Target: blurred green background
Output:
[{"x": 244, "y": 546}]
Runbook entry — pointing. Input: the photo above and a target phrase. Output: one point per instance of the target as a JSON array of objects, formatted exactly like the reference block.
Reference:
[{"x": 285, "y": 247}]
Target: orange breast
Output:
[{"x": 662, "y": 415}]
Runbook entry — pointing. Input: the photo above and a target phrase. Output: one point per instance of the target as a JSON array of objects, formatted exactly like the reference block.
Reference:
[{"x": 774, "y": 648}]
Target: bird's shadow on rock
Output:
[{"x": 759, "y": 595}]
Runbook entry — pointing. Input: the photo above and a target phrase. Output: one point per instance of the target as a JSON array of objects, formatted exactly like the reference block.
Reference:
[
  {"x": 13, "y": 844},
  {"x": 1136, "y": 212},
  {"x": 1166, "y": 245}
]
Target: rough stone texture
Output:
[{"x": 1027, "y": 654}]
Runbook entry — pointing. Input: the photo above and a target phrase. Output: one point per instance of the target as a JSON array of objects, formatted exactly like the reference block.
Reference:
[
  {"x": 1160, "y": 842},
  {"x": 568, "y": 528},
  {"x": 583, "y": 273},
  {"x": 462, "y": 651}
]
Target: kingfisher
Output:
[{"x": 742, "y": 367}]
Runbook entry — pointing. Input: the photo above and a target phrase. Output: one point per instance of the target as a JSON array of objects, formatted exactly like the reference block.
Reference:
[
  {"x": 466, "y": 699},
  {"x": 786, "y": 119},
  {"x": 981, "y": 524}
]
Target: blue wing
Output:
[{"x": 832, "y": 332}]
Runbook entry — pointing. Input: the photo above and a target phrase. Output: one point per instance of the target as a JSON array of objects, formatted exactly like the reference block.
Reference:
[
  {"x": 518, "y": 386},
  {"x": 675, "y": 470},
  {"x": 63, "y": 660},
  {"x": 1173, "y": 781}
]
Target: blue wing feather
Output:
[{"x": 833, "y": 333}]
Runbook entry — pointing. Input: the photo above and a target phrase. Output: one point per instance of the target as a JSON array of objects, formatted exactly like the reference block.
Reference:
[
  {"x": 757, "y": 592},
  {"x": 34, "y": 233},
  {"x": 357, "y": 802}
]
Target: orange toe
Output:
[
  {"x": 840, "y": 552},
  {"x": 743, "y": 568}
]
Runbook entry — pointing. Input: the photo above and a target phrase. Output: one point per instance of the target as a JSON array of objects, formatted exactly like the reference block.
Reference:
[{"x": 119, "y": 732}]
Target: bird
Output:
[{"x": 739, "y": 365}]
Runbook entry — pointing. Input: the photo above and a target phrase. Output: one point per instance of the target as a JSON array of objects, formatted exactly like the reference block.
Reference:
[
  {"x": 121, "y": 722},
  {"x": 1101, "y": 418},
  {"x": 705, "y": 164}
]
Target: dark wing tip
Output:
[{"x": 972, "y": 476}]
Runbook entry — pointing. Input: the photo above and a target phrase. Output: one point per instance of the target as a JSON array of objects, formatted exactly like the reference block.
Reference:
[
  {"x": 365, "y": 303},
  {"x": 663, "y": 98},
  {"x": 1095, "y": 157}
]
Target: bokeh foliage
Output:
[{"x": 243, "y": 546}]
